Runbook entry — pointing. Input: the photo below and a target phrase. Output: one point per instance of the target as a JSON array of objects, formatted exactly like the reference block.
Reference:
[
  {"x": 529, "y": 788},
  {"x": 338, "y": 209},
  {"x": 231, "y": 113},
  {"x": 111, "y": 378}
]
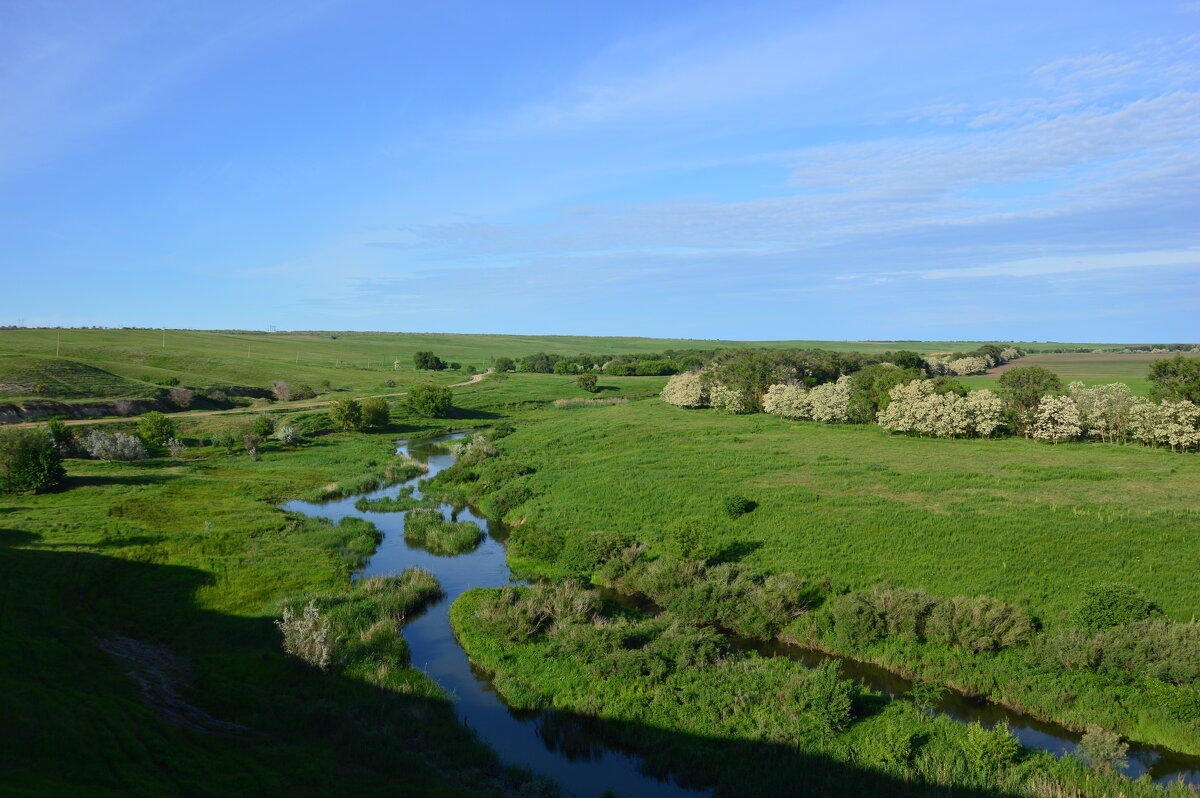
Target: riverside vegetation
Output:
[{"x": 189, "y": 552}]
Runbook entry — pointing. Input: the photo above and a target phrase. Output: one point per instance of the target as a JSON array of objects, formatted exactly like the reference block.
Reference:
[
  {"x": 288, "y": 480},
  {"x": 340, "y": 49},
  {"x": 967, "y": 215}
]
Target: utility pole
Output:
[
  {"x": 247, "y": 351},
  {"x": 164, "y": 337},
  {"x": 58, "y": 345}
]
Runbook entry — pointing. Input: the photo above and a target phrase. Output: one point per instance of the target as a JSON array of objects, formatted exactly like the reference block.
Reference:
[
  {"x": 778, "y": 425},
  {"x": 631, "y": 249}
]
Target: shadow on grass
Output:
[
  {"x": 97, "y": 480},
  {"x": 738, "y": 551},
  {"x": 306, "y": 732},
  {"x": 470, "y": 413}
]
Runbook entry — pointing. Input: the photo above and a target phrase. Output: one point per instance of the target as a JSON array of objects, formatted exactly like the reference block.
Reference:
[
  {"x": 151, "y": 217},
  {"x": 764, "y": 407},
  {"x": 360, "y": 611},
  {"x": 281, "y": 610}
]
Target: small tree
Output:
[
  {"x": 691, "y": 539},
  {"x": 1022, "y": 389},
  {"x": 281, "y": 390},
  {"x": 346, "y": 414},
  {"x": 428, "y": 361},
  {"x": 63, "y": 438},
  {"x": 505, "y": 364},
  {"x": 120, "y": 446},
  {"x": 455, "y": 366},
  {"x": 989, "y": 751},
  {"x": 587, "y": 382},
  {"x": 1176, "y": 379},
  {"x": 432, "y": 401},
  {"x": 29, "y": 462},
  {"x": 155, "y": 428},
  {"x": 374, "y": 413},
  {"x": 1103, "y": 750},
  {"x": 288, "y": 435},
  {"x": 251, "y": 442},
  {"x": 182, "y": 397},
  {"x": 264, "y": 426}
]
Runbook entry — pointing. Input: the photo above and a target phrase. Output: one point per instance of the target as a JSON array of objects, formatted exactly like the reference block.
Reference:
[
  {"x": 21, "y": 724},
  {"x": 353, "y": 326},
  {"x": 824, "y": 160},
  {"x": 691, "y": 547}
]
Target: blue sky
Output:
[{"x": 889, "y": 170}]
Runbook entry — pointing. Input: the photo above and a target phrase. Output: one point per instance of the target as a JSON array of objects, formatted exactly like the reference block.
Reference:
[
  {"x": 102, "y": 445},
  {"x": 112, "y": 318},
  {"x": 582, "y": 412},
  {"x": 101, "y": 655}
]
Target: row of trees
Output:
[
  {"x": 646, "y": 364},
  {"x": 979, "y": 361},
  {"x": 1030, "y": 402}
]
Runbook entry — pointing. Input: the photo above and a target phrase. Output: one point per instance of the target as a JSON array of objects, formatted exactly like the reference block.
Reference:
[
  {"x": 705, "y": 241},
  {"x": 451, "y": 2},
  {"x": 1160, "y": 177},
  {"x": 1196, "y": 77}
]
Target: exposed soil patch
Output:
[{"x": 162, "y": 676}]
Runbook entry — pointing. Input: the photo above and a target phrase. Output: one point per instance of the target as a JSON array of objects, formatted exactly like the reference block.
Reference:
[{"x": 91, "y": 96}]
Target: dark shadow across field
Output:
[{"x": 75, "y": 722}]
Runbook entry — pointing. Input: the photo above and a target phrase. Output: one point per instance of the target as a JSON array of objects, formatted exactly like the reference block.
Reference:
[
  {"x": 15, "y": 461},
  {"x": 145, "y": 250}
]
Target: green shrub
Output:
[
  {"x": 990, "y": 750},
  {"x": 504, "y": 364},
  {"x": 264, "y": 426},
  {"x": 155, "y": 428},
  {"x": 428, "y": 361},
  {"x": 29, "y": 461},
  {"x": 374, "y": 413},
  {"x": 583, "y": 553},
  {"x": 346, "y": 414},
  {"x": 431, "y": 401},
  {"x": 508, "y": 498},
  {"x": 691, "y": 539},
  {"x": 529, "y": 542},
  {"x": 736, "y": 505},
  {"x": 1103, "y": 750},
  {"x": 1109, "y": 605},
  {"x": 587, "y": 382},
  {"x": 978, "y": 623}
]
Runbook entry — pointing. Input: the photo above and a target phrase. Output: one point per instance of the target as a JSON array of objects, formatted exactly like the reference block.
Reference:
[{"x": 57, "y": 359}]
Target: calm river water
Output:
[{"x": 584, "y": 765}]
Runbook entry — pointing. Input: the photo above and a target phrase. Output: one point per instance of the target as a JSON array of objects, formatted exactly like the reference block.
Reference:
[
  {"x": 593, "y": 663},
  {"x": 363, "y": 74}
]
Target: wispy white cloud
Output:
[{"x": 72, "y": 71}]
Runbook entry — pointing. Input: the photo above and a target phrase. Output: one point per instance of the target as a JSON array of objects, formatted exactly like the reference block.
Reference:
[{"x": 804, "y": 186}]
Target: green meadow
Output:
[{"x": 193, "y": 556}]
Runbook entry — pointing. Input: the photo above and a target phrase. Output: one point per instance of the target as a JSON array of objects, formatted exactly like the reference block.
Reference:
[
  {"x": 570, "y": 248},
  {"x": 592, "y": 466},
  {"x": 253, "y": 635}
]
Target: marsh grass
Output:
[{"x": 427, "y": 529}]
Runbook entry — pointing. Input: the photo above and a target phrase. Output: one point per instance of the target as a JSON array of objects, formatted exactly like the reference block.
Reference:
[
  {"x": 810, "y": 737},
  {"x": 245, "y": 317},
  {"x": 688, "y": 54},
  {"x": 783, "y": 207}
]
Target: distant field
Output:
[
  {"x": 139, "y": 361},
  {"x": 1090, "y": 368}
]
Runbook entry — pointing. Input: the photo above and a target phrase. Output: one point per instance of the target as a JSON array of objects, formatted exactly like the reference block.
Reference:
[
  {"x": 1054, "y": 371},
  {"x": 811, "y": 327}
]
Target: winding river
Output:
[{"x": 573, "y": 757}]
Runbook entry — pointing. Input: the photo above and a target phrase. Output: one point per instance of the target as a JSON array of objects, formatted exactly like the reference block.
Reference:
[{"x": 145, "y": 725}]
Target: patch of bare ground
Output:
[{"x": 163, "y": 676}]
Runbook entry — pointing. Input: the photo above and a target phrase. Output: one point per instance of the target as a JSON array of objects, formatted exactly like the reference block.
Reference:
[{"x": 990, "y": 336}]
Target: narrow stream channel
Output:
[{"x": 586, "y": 766}]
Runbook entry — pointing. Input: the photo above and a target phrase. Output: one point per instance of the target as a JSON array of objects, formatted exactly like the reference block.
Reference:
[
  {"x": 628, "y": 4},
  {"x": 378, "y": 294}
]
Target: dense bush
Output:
[
  {"x": 1108, "y": 605},
  {"x": 504, "y": 364},
  {"x": 374, "y": 413},
  {"x": 428, "y": 361},
  {"x": 119, "y": 446},
  {"x": 1176, "y": 379},
  {"x": 686, "y": 390},
  {"x": 583, "y": 553},
  {"x": 182, "y": 397},
  {"x": 1103, "y": 750},
  {"x": 587, "y": 382},
  {"x": 987, "y": 750},
  {"x": 691, "y": 539},
  {"x": 29, "y": 461},
  {"x": 1022, "y": 389},
  {"x": 346, "y": 414},
  {"x": 730, "y": 400},
  {"x": 974, "y": 623},
  {"x": 288, "y": 434},
  {"x": 736, "y": 505},
  {"x": 263, "y": 426},
  {"x": 432, "y": 401},
  {"x": 155, "y": 428}
]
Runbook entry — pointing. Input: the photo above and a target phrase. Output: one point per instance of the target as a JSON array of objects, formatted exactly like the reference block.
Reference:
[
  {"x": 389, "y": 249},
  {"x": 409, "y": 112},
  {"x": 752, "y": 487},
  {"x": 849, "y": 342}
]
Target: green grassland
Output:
[
  {"x": 143, "y": 360},
  {"x": 194, "y": 555},
  {"x": 1013, "y": 518}
]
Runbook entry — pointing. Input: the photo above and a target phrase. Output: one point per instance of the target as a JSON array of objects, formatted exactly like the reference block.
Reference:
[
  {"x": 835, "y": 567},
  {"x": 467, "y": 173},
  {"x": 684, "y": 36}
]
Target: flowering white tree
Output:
[
  {"x": 985, "y": 411},
  {"x": 789, "y": 401},
  {"x": 970, "y": 365},
  {"x": 728, "y": 399},
  {"x": 1057, "y": 419},
  {"x": 1009, "y": 353},
  {"x": 830, "y": 401},
  {"x": 916, "y": 408},
  {"x": 685, "y": 390},
  {"x": 1104, "y": 409}
]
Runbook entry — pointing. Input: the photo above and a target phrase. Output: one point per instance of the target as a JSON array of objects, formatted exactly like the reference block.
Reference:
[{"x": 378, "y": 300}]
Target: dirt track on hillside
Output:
[{"x": 239, "y": 410}]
